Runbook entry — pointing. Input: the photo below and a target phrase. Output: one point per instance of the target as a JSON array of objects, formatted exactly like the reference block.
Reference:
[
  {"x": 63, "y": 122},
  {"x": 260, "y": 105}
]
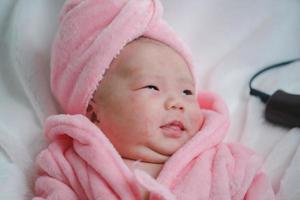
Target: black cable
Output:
[{"x": 264, "y": 96}]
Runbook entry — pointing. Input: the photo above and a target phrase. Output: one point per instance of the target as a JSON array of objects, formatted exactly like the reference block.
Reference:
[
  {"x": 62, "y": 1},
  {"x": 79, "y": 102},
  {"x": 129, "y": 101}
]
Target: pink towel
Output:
[
  {"x": 81, "y": 163},
  {"x": 91, "y": 34}
]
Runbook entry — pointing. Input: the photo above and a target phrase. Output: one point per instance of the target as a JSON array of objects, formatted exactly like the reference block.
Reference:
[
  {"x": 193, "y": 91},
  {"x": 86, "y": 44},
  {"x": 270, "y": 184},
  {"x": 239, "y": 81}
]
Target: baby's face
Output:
[{"x": 146, "y": 102}]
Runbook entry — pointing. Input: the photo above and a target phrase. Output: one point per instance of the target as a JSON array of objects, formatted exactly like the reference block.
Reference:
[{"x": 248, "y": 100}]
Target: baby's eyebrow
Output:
[
  {"x": 186, "y": 80},
  {"x": 147, "y": 77}
]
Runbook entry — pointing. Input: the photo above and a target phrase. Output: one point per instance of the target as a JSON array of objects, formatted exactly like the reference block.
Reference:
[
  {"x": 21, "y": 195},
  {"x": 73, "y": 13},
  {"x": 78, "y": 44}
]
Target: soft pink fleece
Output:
[{"x": 81, "y": 163}]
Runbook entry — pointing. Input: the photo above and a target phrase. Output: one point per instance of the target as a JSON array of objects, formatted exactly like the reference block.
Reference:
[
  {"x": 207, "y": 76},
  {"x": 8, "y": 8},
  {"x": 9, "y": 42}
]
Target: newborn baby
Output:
[
  {"x": 146, "y": 104},
  {"x": 131, "y": 126}
]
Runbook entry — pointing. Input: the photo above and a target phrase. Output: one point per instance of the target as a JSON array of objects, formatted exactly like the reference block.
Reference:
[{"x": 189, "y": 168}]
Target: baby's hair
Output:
[{"x": 90, "y": 112}]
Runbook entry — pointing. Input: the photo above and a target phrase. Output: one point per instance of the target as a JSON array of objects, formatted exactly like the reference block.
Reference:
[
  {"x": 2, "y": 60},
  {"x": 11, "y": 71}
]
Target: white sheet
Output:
[{"x": 230, "y": 40}]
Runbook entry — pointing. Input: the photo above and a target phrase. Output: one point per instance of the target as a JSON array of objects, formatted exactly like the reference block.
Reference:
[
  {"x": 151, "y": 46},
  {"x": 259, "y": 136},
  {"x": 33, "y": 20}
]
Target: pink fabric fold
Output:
[{"x": 81, "y": 163}]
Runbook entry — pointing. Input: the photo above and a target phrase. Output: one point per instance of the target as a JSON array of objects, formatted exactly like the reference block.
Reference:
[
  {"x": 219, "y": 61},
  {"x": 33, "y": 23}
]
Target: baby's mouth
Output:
[{"x": 173, "y": 129}]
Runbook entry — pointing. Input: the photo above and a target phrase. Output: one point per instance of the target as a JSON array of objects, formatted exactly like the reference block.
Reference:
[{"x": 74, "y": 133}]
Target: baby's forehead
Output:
[{"x": 146, "y": 56}]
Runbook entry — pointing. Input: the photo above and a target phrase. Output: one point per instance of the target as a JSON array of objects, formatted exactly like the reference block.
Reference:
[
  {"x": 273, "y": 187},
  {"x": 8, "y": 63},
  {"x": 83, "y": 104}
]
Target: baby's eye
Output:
[
  {"x": 187, "y": 92},
  {"x": 151, "y": 87}
]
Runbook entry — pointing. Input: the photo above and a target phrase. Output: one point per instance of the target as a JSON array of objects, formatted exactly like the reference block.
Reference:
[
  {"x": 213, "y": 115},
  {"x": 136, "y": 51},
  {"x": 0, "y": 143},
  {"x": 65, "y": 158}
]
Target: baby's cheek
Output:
[
  {"x": 137, "y": 104},
  {"x": 143, "y": 100},
  {"x": 197, "y": 117},
  {"x": 135, "y": 107},
  {"x": 146, "y": 113}
]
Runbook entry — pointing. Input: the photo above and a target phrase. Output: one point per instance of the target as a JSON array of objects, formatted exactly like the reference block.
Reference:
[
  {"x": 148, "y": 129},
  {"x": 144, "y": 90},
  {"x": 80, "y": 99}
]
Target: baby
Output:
[
  {"x": 146, "y": 104},
  {"x": 133, "y": 128}
]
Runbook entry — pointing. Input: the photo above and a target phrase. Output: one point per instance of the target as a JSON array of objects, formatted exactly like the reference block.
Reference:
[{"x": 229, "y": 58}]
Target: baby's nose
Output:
[{"x": 174, "y": 103}]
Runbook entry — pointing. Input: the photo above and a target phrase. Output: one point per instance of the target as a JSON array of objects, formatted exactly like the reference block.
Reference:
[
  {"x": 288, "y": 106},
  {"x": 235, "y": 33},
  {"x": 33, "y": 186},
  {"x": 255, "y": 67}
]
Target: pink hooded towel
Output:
[
  {"x": 81, "y": 163},
  {"x": 91, "y": 34}
]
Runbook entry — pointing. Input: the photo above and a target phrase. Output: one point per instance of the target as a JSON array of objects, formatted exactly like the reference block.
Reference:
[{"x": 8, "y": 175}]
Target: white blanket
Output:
[{"x": 230, "y": 41}]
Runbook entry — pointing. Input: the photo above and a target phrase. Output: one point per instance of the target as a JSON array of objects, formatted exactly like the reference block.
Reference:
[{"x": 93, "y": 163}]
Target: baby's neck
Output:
[{"x": 152, "y": 169}]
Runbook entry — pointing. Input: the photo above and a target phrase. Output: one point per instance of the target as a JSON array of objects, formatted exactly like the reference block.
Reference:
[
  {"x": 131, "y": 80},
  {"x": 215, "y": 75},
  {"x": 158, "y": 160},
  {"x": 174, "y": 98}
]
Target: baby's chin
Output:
[{"x": 147, "y": 155}]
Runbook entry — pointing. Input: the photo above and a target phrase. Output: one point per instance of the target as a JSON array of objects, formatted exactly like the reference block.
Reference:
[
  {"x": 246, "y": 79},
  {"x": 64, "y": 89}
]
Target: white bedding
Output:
[{"x": 230, "y": 40}]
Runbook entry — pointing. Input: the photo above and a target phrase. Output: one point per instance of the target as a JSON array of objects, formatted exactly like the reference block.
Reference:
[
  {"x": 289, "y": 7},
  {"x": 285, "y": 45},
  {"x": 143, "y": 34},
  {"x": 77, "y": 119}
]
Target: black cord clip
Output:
[
  {"x": 264, "y": 96},
  {"x": 282, "y": 108}
]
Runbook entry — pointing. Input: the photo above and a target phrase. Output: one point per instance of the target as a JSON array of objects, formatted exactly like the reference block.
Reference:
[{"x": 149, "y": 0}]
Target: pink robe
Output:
[{"x": 81, "y": 163}]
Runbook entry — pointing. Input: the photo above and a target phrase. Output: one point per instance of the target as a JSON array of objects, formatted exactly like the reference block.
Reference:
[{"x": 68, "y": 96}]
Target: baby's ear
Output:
[{"x": 91, "y": 112}]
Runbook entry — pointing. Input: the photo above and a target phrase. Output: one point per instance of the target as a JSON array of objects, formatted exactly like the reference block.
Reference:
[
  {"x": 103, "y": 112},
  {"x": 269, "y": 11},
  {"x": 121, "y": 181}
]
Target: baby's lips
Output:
[
  {"x": 174, "y": 124},
  {"x": 174, "y": 129}
]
